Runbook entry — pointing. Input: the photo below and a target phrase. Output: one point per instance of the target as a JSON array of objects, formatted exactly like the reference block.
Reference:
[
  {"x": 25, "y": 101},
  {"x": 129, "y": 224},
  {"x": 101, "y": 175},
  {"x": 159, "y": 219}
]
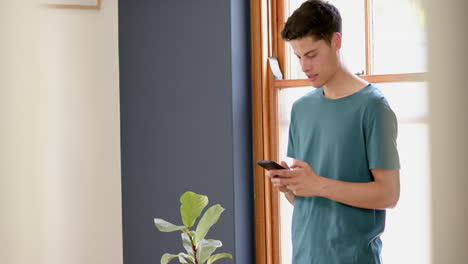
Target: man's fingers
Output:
[
  {"x": 299, "y": 164},
  {"x": 281, "y": 173},
  {"x": 272, "y": 173},
  {"x": 283, "y": 189},
  {"x": 284, "y": 164},
  {"x": 280, "y": 181}
]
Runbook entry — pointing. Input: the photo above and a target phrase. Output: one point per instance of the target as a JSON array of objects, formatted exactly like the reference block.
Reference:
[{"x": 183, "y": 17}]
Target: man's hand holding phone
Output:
[
  {"x": 281, "y": 188},
  {"x": 271, "y": 168}
]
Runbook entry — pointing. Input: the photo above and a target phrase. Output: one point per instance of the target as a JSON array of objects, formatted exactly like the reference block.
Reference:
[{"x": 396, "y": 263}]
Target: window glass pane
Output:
[
  {"x": 407, "y": 236},
  {"x": 407, "y": 99},
  {"x": 411, "y": 217},
  {"x": 353, "y": 47},
  {"x": 399, "y": 37}
]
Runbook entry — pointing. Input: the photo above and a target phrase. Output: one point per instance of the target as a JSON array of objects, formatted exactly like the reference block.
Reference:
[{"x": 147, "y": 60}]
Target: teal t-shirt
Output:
[{"x": 341, "y": 139}]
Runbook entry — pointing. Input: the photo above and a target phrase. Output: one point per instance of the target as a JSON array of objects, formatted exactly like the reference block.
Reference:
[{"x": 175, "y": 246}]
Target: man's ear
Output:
[{"x": 336, "y": 40}]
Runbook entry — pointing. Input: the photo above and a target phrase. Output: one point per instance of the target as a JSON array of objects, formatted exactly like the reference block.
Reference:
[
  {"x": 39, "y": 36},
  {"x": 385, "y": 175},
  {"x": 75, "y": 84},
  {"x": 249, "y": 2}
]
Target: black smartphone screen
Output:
[{"x": 270, "y": 165}]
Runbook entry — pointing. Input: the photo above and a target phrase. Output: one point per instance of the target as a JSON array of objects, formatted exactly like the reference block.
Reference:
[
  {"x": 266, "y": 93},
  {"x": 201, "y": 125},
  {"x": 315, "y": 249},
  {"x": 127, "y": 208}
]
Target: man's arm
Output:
[{"x": 381, "y": 193}]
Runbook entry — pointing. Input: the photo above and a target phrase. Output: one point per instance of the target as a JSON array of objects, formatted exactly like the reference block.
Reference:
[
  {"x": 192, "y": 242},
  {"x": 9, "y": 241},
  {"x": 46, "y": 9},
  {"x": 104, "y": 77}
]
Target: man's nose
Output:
[{"x": 305, "y": 66}]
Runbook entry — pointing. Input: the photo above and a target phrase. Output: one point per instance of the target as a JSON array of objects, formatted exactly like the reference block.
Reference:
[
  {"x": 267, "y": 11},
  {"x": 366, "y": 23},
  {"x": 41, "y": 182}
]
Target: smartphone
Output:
[{"x": 270, "y": 165}]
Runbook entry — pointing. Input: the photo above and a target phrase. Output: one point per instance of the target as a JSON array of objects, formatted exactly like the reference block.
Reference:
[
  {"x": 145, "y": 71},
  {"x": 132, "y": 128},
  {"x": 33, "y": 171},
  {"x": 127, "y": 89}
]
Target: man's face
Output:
[{"x": 319, "y": 60}]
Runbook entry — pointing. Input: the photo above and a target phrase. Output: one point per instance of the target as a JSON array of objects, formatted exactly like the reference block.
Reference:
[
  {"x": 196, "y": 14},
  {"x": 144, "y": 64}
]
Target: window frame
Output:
[{"x": 267, "y": 20}]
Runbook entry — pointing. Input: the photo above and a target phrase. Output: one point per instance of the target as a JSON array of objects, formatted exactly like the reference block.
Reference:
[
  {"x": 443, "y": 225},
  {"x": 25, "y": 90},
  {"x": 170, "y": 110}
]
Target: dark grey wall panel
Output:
[
  {"x": 185, "y": 120},
  {"x": 242, "y": 139}
]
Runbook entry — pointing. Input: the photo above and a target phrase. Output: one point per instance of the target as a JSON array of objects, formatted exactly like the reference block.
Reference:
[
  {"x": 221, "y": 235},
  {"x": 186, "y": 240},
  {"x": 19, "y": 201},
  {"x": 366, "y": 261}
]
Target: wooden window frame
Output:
[{"x": 267, "y": 20}]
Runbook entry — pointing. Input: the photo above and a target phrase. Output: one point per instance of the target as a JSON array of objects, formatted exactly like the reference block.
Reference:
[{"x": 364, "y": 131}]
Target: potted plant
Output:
[{"x": 199, "y": 250}]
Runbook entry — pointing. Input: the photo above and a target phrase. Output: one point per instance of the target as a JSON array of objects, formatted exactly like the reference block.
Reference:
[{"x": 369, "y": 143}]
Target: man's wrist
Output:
[{"x": 322, "y": 186}]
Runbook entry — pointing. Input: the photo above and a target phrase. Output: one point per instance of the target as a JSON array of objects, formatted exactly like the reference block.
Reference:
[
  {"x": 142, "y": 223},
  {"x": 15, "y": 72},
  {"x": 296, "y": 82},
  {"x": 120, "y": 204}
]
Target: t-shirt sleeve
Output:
[
  {"x": 381, "y": 138},
  {"x": 292, "y": 141}
]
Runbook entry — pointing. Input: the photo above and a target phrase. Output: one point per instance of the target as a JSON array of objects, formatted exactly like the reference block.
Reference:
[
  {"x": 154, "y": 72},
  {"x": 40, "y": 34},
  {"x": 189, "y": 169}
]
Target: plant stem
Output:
[{"x": 194, "y": 250}]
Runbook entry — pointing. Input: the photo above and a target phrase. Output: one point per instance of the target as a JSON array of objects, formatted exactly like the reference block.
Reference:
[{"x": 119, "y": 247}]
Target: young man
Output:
[{"x": 342, "y": 138}]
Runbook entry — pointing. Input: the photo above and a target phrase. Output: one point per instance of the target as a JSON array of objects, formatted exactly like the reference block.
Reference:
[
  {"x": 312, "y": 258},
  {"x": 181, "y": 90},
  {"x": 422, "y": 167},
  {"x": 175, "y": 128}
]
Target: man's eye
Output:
[{"x": 312, "y": 56}]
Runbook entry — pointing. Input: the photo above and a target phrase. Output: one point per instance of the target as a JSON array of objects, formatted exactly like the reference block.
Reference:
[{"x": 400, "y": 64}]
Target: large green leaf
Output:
[
  {"x": 218, "y": 257},
  {"x": 182, "y": 260},
  {"x": 167, "y": 257},
  {"x": 165, "y": 226},
  {"x": 210, "y": 217},
  {"x": 186, "y": 256},
  {"x": 187, "y": 244},
  {"x": 205, "y": 248},
  {"x": 192, "y": 205}
]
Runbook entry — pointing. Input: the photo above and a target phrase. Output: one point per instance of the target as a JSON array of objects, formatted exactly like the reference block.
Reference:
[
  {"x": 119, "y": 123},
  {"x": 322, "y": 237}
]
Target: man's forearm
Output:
[{"x": 368, "y": 195}]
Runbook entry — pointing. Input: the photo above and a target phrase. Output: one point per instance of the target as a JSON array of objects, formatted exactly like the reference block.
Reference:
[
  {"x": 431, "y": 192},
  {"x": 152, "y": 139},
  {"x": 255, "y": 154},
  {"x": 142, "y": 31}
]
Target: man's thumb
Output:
[
  {"x": 284, "y": 164},
  {"x": 298, "y": 164}
]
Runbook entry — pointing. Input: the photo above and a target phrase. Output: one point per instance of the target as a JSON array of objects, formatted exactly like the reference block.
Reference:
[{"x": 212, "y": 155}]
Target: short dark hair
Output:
[{"x": 314, "y": 18}]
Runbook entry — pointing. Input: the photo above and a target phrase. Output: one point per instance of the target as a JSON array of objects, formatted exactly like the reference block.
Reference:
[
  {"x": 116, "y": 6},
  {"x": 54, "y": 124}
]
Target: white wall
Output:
[
  {"x": 448, "y": 66},
  {"x": 60, "y": 191}
]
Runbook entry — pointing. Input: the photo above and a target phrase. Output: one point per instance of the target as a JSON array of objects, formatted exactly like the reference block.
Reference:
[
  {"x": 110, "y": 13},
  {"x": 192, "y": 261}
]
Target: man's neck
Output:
[{"x": 342, "y": 84}]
